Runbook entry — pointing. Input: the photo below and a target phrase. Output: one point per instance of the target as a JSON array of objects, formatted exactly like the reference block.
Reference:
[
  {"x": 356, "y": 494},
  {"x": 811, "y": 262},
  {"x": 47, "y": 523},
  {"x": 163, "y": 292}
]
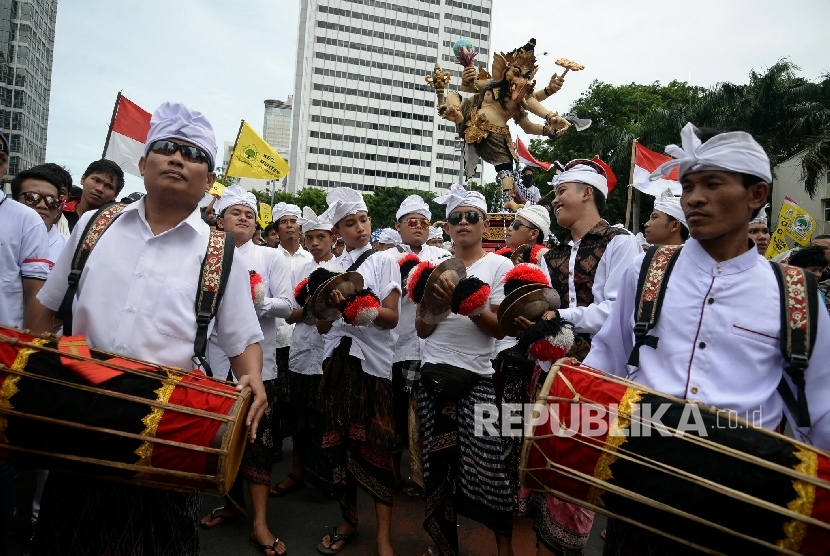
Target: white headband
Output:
[
  {"x": 458, "y": 196},
  {"x": 389, "y": 236},
  {"x": 344, "y": 201},
  {"x": 436, "y": 233},
  {"x": 583, "y": 173},
  {"x": 310, "y": 221},
  {"x": 735, "y": 151},
  {"x": 414, "y": 203},
  {"x": 761, "y": 217},
  {"x": 667, "y": 203},
  {"x": 538, "y": 216},
  {"x": 283, "y": 209},
  {"x": 235, "y": 195}
]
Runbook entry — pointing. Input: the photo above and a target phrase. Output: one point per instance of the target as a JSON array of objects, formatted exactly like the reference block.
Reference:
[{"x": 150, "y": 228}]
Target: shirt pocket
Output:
[
  {"x": 761, "y": 337},
  {"x": 175, "y": 314}
]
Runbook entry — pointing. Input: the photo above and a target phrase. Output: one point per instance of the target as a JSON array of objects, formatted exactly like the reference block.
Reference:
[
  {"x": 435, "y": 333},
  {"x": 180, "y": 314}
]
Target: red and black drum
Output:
[
  {"x": 696, "y": 474},
  {"x": 68, "y": 407}
]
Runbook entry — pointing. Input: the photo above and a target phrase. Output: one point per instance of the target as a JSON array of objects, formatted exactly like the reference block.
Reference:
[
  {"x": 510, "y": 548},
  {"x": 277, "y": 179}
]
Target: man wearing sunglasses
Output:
[
  {"x": 101, "y": 182},
  {"x": 137, "y": 297},
  {"x": 39, "y": 187}
]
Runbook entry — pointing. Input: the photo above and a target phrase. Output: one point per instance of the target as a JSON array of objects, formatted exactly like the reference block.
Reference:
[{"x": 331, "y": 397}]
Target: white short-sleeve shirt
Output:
[
  {"x": 457, "y": 340},
  {"x": 137, "y": 294}
]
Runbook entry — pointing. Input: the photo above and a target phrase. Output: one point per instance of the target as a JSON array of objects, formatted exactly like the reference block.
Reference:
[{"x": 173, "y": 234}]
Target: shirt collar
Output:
[
  {"x": 194, "y": 220},
  {"x": 708, "y": 265},
  {"x": 353, "y": 255},
  {"x": 247, "y": 246},
  {"x": 299, "y": 253}
]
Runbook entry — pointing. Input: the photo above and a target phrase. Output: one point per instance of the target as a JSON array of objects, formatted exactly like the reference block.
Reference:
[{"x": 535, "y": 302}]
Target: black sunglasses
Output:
[
  {"x": 472, "y": 217},
  {"x": 189, "y": 153},
  {"x": 33, "y": 199},
  {"x": 516, "y": 225}
]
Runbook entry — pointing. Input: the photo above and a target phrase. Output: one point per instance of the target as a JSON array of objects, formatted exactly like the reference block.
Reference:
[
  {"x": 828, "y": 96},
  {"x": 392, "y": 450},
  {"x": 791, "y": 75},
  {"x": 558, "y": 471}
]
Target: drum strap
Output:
[
  {"x": 97, "y": 225},
  {"x": 651, "y": 289},
  {"x": 360, "y": 260},
  {"x": 799, "y": 319},
  {"x": 216, "y": 268},
  {"x": 799, "y": 323}
]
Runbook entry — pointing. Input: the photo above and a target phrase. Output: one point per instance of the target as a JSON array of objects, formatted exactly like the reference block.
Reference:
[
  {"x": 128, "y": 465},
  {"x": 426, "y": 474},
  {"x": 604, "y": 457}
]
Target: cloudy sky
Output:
[{"x": 224, "y": 58}]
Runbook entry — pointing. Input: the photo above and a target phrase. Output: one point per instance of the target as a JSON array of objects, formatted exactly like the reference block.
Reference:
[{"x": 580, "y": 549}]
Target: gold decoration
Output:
[
  {"x": 438, "y": 80},
  {"x": 151, "y": 420},
  {"x": 569, "y": 65},
  {"x": 615, "y": 439},
  {"x": 524, "y": 58},
  {"x": 803, "y": 503},
  {"x": 9, "y": 387}
]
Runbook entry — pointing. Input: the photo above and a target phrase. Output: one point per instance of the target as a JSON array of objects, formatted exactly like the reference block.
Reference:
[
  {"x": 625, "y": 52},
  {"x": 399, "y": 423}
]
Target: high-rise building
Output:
[
  {"x": 363, "y": 116},
  {"x": 27, "y": 38},
  {"x": 276, "y": 128}
]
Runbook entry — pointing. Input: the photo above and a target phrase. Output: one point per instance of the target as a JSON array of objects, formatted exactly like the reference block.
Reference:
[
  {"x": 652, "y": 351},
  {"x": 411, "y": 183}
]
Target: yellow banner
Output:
[
  {"x": 794, "y": 223},
  {"x": 254, "y": 158},
  {"x": 265, "y": 216},
  {"x": 217, "y": 189}
]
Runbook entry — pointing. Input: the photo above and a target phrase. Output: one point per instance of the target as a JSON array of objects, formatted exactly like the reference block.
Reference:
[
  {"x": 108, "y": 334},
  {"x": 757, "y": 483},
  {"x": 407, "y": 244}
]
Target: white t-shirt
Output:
[
  {"x": 137, "y": 294},
  {"x": 57, "y": 241},
  {"x": 299, "y": 259},
  {"x": 457, "y": 340},
  {"x": 374, "y": 345},
  {"x": 23, "y": 254}
]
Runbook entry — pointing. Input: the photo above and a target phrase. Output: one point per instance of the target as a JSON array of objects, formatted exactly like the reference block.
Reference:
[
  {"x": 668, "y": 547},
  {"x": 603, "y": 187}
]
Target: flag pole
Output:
[
  {"x": 235, "y": 142},
  {"x": 112, "y": 122},
  {"x": 630, "y": 183}
]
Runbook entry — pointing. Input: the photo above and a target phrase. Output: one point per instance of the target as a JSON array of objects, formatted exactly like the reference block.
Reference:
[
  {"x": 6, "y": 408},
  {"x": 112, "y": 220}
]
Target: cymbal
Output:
[
  {"x": 531, "y": 306},
  {"x": 519, "y": 253},
  {"x": 516, "y": 294},
  {"x": 347, "y": 283},
  {"x": 436, "y": 311}
]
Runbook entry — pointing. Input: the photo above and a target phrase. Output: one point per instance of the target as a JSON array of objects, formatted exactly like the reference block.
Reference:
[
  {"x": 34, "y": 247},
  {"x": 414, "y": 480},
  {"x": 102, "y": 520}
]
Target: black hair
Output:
[
  {"x": 809, "y": 256},
  {"x": 599, "y": 198},
  {"x": 527, "y": 169},
  {"x": 684, "y": 231},
  {"x": 50, "y": 173},
  {"x": 271, "y": 226},
  {"x": 109, "y": 168},
  {"x": 821, "y": 236},
  {"x": 63, "y": 172}
]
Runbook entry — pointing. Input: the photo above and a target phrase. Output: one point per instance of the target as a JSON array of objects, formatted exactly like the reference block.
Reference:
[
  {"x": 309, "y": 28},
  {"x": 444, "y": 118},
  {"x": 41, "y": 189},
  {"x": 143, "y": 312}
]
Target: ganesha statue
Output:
[{"x": 508, "y": 93}]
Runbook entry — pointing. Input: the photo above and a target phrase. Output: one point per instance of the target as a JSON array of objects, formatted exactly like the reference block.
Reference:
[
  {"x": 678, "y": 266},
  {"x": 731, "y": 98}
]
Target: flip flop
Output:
[
  {"x": 223, "y": 519},
  {"x": 334, "y": 538},
  {"x": 264, "y": 548},
  {"x": 279, "y": 492}
]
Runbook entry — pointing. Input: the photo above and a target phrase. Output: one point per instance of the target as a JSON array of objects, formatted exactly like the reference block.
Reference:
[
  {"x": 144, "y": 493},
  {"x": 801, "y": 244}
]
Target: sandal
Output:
[
  {"x": 279, "y": 492},
  {"x": 264, "y": 548},
  {"x": 223, "y": 519},
  {"x": 334, "y": 538}
]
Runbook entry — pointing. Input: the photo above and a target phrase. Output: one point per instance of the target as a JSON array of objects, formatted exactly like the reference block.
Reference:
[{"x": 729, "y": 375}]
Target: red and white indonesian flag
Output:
[
  {"x": 526, "y": 158},
  {"x": 127, "y": 135},
  {"x": 646, "y": 161}
]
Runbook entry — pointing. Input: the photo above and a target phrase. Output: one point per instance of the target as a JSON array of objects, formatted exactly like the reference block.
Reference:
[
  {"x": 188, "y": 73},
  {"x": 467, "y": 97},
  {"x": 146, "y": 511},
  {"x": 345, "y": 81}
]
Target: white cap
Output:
[
  {"x": 283, "y": 209},
  {"x": 414, "y": 203},
  {"x": 761, "y": 217},
  {"x": 538, "y": 216},
  {"x": 236, "y": 195},
  {"x": 458, "y": 196},
  {"x": 388, "y": 236},
  {"x": 310, "y": 221},
  {"x": 436, "y": 233},
  {"x": 582, "y": 173},
  {"x": 667, "y": 203},
  {"x": 344, "y": 201}
]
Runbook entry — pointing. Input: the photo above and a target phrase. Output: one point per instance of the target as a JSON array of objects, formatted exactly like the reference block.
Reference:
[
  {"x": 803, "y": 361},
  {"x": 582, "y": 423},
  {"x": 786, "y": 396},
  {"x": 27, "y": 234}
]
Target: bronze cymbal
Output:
[
  {"x": 531, "y": 305},
  {"x": 347, "y": 283},
  {"x": 436, "y": 311}
]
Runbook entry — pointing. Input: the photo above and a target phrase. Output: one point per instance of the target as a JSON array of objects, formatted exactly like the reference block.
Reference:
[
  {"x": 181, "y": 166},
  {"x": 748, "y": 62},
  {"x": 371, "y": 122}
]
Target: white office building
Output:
[
  {"x": 276, "y": 126},
  {"x": 363, "y": 116}
]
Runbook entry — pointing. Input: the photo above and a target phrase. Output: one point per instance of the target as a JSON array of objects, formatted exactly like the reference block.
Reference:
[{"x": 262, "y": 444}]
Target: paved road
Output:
[{"x": 302, "y": 518}]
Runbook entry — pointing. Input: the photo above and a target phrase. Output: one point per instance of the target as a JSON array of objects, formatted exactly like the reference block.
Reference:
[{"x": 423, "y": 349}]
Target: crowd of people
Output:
[{"x": 358, "y": 392}]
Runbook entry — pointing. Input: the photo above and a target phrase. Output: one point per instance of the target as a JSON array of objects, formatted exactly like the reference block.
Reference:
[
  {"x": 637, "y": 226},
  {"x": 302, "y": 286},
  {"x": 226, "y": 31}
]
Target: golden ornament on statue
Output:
[{"x": 438, "y": 80}]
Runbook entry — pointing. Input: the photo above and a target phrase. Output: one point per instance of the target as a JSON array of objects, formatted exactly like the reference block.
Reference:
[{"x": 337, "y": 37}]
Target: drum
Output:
[
  {"x": 67, "y": 407},
  {"x": 702, "y": 476}
]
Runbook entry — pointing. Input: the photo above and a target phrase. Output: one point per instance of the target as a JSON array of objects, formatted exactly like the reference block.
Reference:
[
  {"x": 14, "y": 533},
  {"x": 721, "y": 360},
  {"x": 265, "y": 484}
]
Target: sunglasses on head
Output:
[
  {"x": 189, "y": 152},
  {"x": 33, "y": 199},
  {"x": 472, "y": 217},
  {"x": 418, "y": 223},
  {"x": 516, "y": 225}
]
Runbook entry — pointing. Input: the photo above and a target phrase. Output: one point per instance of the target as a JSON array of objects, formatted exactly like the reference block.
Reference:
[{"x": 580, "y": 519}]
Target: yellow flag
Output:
[
  {"x": 254, "y": 158},
  {"x": 217, "y": 189},
  {"x": 794, "y": 223},
  {"x": 265, "y": 216}
]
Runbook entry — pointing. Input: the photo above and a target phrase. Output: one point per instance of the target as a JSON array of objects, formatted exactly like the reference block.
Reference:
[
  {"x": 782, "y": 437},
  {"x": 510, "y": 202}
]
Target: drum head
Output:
[
  {"x": 514, "y": 295},
  {"x": 434, "y": 310},
  {"x": 531, "y": 306},
  {"x": 347, "y": 283}
]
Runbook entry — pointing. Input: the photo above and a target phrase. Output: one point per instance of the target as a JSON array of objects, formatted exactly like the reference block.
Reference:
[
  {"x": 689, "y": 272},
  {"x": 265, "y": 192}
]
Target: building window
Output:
[{"x": 826, "y": 210}]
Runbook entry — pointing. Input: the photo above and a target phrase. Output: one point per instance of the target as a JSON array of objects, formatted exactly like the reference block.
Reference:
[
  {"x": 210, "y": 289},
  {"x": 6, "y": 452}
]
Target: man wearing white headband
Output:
[
  {"x": 388, "y": 239},
  {"x": 285, "y": 216},
  {"x": 759, "y": 230},
  {"x": 305, "y": 361},
  {"x": 436, "y": 237},
  {"x": 413, "y": 224},
  {"x": 720, "y": 319},
  {"x": 137, "y": 298},
  {"x": 464, "y": 345},
  {"x": 237, "y": 214},
  {"x": 530, "y": 227},
  {"x": 666, "y": 225}
]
